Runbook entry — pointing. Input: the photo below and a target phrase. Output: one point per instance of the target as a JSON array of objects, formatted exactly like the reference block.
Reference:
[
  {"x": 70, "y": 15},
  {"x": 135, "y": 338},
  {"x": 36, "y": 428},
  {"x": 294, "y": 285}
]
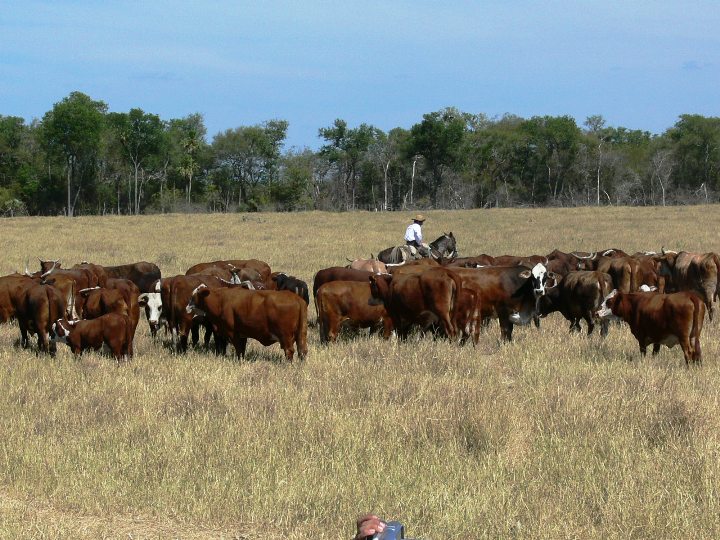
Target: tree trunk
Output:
[{"x": 69, "y": 187}]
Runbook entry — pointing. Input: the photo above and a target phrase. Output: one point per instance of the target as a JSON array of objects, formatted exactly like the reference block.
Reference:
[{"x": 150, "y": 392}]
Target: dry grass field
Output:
[{"x": 550, "y": 436}]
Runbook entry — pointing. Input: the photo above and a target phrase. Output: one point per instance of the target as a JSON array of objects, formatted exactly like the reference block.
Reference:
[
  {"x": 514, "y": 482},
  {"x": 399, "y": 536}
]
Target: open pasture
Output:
[{"x": 550, "y": 436}]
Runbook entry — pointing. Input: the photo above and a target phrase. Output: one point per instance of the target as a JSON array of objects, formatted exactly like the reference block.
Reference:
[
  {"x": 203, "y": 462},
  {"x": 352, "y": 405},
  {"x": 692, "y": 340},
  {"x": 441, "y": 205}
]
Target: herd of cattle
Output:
[{"x": 662, "y": 296}]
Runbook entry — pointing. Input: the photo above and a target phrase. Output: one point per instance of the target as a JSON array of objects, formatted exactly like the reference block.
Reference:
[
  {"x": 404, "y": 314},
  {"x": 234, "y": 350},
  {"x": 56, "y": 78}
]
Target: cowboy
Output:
[{"x": 413, "y": 235}]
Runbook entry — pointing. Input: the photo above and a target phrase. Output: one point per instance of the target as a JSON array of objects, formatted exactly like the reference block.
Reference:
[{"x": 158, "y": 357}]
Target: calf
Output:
[
  {"x": 348, "y": 301},
  {"x": 112, "y": 329},
  {"x": 659, "y": 319}
]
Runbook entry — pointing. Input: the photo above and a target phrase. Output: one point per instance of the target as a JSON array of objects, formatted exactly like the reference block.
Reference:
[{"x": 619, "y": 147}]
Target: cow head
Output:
[
  {"x": 152, "y": 302},
  {"x": 197, "y": 298},
  {"x": 60, "y": 330},
  {"x": 379, "y": 288},
  {"x": 540, "y": 279},
  {"x": 605, "y": 311},
  {"x": 280, "y": 278}
]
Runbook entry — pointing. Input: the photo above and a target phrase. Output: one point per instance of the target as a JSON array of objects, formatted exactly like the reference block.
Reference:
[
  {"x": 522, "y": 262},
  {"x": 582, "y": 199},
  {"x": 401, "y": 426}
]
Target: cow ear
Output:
[
  {"x": 143, "y": 300},
  {"x": 553, "y": 275},
  {"x": 204, "y": 292},
  {"x": 525, "y": 274}
]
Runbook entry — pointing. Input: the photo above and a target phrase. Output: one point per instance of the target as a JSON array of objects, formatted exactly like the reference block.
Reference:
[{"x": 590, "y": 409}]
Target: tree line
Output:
[{"x": 81, "y": 159}]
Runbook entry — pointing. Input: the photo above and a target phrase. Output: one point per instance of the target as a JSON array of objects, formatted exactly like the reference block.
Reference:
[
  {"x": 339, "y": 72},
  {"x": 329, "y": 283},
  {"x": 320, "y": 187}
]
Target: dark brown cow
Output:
[
  {"x": 37, "y": 307},
  {"x": 338, "y": 273},
  {"x": 697, "y": 272},
  {"x": 508, "y": 293},
  {"x": 514, "y": 260},
  {"x": 660, "y": 319},
  {"x": 175, "y": 292},
  {"x": 143, "y": 274},
  {"x": 348, "y": 301},
  {"x": 261, "y": 267},
  {"x": 422, "y": 299},
  {"x": 470, "y": 262},
  {"x": 266, "y": 316},
  {"x": 578, "y": 296},
  {"x": 112, "y": 329}
]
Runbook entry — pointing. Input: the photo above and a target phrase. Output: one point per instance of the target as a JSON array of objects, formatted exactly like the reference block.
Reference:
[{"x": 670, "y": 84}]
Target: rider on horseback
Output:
[{"x": 413, "y": 235}]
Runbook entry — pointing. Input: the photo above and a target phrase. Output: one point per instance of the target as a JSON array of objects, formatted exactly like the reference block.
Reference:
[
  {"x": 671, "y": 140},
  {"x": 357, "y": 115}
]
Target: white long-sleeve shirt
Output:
[{"x": 414, "y": 232}]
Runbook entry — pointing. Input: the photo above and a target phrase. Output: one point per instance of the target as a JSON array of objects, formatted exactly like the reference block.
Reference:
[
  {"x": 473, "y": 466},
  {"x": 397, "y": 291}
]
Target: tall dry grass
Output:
[{"x": 551, "y": 436}]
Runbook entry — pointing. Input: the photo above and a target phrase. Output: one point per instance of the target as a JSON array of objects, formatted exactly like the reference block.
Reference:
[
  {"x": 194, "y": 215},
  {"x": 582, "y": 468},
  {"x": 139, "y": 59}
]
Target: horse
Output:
[{"x": 443, "y": 247}]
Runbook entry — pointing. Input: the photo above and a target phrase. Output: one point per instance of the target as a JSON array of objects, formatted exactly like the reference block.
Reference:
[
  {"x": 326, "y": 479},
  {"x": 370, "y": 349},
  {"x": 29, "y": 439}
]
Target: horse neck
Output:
[{"x": 440, "y": 245}]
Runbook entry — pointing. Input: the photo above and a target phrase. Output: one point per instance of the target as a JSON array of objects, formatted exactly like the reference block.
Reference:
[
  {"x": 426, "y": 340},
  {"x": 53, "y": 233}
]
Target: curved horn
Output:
[
  {"x": 50, "y": 271},
  {"x": 349, "y": 260},
  {"x": 88, "y": 289}
]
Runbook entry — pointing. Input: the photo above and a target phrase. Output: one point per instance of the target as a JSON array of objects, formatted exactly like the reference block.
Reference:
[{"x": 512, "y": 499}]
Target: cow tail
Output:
[
  {"x": 698, "y": 316},
  {"x": 301, "y": 331},
  {"x": 319, "y": 309},
  {"x": 173, "y": 317},
  {"x": 454, "y": 299},
  {"x": 717, "y": 287},
  {"x": 129, "y": 336}
]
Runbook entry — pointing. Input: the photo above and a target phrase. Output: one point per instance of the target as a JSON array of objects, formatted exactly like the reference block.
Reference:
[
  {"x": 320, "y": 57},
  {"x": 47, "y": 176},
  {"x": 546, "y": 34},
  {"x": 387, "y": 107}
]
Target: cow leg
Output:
[
  {"x": 536, "y": 320},
  {"x": 195, "y": 331},
  {"x": 687, "y": 350},
  {"x": 604, "y": 327},
  {"x": 590, "y": 322},
  {"x": 575, "y": 325},
  {"x": 208, "y": 334},
  {"x": 24, "y": 341},
  {"x": 240, "y": 346},
  {"x": 506, "y": 329},
  {"x": 220, "y": 344},
  {"x": 656, "y": 348}
]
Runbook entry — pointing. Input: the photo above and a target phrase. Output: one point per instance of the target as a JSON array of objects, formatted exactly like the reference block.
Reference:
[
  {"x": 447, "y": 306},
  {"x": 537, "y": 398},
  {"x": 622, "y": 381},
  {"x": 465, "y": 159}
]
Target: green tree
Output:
[
  {"x": 439, "y": 139},
  {"x": 346, "y": 149},
  {"x": 72, "y": 132},
  {"x": 696, "y": 145},
  {"x": 251, "y": 155},
  {"x": 140, "y": 135}
]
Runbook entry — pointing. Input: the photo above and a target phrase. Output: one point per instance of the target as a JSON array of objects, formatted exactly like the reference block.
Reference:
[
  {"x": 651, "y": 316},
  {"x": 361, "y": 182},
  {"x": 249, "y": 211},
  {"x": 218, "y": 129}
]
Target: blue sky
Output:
[{"x": 640, "y": 64}]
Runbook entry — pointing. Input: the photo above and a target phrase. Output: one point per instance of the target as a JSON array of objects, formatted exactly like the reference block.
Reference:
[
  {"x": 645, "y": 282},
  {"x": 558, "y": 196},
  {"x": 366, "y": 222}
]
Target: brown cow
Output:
[
  {"x": 120, "y": 296},
  {"x": 175, "y": 292},
  {"x": 418, "y": 299},
  {"x": 37, "y": 307},
  {"x": 659, "y": 319},
  {"x": 112, "y": 329},
  {"x": 578, "y": 296},
  {"x": 348, "y": 301},
  {"x": 10, "y": 288},
  {"x": 508, "y": 293},
  {"x": 266, "y": 316},
  {"x": 697, "y": 272}
]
